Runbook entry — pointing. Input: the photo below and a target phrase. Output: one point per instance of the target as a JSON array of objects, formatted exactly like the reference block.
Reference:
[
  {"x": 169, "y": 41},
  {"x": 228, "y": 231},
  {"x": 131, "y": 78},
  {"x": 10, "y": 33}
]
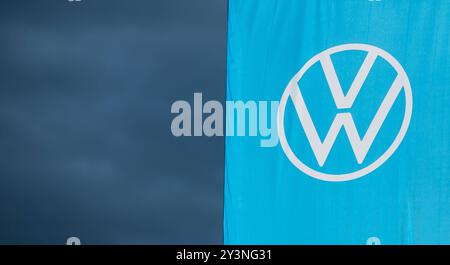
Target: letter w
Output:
[{"x": 344, "y": 120}]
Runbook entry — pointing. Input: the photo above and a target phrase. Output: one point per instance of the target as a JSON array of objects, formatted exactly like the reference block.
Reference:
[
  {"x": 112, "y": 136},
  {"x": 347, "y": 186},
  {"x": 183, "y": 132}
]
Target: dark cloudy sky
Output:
[{"x": 85, "y": 142}]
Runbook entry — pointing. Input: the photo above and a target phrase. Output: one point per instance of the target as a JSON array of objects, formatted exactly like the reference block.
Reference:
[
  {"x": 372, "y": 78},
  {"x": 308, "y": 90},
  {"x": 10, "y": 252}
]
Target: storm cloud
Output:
[{"x": 85, "y": 142}]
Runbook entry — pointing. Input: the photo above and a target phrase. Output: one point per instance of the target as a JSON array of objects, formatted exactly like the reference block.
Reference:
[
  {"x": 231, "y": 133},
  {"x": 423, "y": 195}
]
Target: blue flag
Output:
[{"x": 338, "y": 122}]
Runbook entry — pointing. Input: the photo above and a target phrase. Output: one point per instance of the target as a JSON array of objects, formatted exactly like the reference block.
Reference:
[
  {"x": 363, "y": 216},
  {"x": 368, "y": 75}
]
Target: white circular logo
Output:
[{"x": 360, "y": 145}]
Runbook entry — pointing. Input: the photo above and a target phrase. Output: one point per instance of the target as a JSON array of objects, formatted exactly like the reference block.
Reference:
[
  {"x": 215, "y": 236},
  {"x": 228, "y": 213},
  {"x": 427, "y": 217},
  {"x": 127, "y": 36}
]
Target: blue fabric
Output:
[{"x": 406, "y": 200}]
